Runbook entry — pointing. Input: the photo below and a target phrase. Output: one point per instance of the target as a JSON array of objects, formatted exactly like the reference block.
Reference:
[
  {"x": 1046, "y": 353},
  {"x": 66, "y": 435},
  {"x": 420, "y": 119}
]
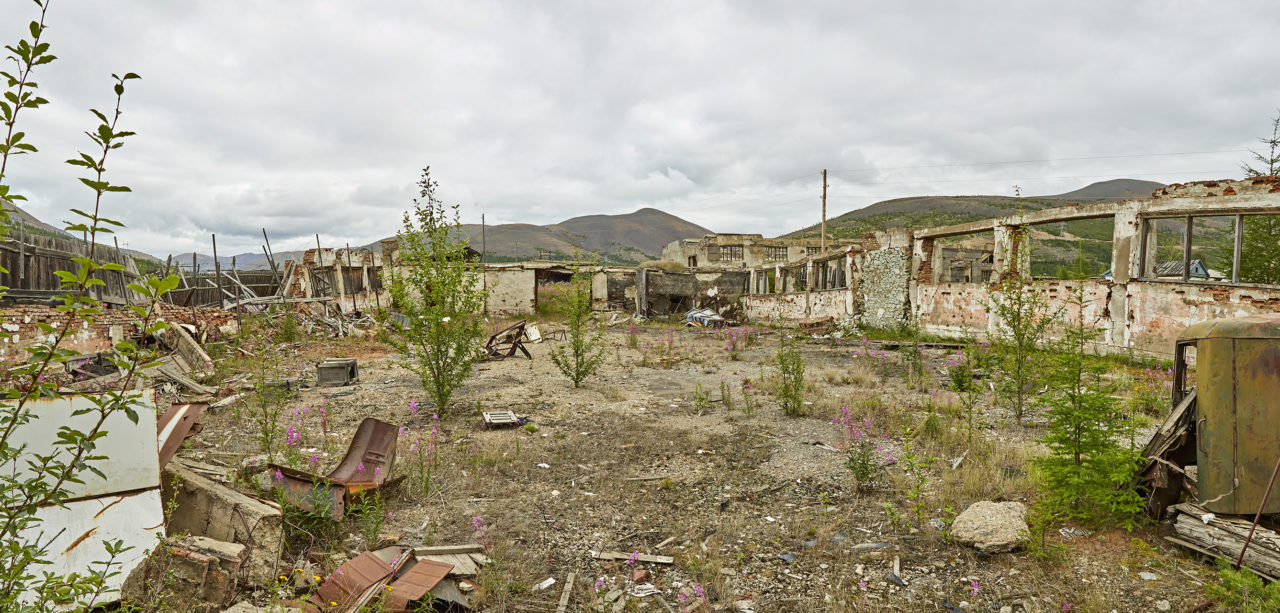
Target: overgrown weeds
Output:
[{"x": 790, "y": 365}]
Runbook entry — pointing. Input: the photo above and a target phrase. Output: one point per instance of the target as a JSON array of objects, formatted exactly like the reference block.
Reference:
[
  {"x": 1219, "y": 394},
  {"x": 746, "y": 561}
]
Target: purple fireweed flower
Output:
[
  {"x": 413, "y": 407},
  {"x": 360, "y": 467},
  {"x": 279, "y": 475}
]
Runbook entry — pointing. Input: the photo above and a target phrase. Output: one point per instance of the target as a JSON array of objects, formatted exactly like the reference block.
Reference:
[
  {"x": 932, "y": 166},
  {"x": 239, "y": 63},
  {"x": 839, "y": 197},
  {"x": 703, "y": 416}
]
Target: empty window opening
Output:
[
  {"x": 967, "y": 258},
  {"x": 1079, "y": 249}
]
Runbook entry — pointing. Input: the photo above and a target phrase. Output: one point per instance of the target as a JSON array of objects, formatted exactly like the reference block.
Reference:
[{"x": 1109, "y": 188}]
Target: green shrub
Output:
[
  {"x": 1024, "y": 317},
  {"x": 790, "y": 365},
  {"x": 1241, "y": 590},
  {"x": 436, "y": 291},
  {"x": 583, "y": 352}
]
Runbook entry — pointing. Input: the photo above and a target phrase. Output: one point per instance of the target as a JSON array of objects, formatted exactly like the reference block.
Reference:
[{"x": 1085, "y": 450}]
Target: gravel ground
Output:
[{"x": 758, "y": 513}]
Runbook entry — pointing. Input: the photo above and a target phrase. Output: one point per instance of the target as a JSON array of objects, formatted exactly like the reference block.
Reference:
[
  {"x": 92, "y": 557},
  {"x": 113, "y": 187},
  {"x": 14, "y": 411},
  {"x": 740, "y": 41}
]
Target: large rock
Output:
[{"x": 991, "y": 527}]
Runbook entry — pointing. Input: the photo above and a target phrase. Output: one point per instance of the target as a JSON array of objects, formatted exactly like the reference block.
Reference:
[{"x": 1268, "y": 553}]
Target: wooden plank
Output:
[
  {"x": 566, "y": 592},
  {"x": 643, "y": 557},
  {"x": 444, "y": 549}
]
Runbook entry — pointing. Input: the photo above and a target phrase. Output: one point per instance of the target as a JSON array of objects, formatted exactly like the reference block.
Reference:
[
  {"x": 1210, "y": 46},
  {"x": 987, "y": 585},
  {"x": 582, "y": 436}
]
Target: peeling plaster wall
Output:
[
  {"x": 1132, "y": 314},
  {"x": 883, "y": 288},
  {"x": 775, "y": 307},
  {"x": 512, "y": 291},
  {"x": 1158, "y": 312}
]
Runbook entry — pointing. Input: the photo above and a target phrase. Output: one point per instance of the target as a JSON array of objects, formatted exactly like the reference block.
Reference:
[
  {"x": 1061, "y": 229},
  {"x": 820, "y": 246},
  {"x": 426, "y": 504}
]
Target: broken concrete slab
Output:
[
  {"x": 991, "y": 527},
  {"x": 207, "y": 508}
]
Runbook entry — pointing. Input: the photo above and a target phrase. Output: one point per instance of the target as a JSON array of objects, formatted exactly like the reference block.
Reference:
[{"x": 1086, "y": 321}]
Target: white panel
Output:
[
  {"x": 132, "y": 454},
  {"x": 137, "y": 519}
]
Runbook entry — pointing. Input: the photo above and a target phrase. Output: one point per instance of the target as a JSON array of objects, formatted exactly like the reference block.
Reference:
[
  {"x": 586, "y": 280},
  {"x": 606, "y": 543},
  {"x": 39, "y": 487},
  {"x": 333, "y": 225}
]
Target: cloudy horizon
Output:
[{"x": 316, "y": 118}]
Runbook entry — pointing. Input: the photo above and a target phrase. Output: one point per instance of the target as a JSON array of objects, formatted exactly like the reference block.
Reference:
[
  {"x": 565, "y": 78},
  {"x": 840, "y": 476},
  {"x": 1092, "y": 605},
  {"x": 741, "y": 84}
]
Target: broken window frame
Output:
[
  {"x": 1188, "y": 224},
  {"x": 775, "y": 253},
  {"x": 830, "y": 273},
  {"x": 731, "y": 253}
]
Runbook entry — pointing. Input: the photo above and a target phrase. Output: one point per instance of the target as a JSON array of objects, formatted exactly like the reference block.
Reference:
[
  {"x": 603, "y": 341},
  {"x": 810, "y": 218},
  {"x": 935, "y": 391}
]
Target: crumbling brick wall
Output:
[{"x": 22, "y": 323}]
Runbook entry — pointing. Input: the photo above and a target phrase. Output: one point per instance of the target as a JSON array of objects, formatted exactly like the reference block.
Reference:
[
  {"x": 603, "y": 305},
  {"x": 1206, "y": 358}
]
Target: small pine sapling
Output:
[{"x": 1088, "y": 473}]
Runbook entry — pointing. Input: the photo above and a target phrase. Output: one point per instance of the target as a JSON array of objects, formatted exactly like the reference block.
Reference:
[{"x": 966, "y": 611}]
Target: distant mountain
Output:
[
  {"x": 619, "y": 239},
  {"x": 1110, "y": 191},
  {"x": 930, "y": 211},
  {"x": 16, "y": 215}
]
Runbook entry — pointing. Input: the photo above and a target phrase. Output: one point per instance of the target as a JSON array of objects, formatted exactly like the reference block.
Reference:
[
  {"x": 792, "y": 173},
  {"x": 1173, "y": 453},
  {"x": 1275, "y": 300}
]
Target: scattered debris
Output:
[
  {"x": 639, "y": 557},
  {"x": 704, "y": 318},
  {"x": 506, "y": 342},
  {"x": 466, "y": 560},
  {"x": 1074, "y": 533},
  {"x": 1225, "y": 536},
  {"x": 502, "y": 419},
  {"x": 895, "y": 579},
  {"x": 817, "y": 326}
]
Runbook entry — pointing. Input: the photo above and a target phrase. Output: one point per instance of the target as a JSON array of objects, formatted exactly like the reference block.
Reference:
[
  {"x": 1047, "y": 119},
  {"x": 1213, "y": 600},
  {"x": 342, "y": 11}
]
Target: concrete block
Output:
[
  {"x": 210, "y": 509},
  {"x": 191, "y": 573}
]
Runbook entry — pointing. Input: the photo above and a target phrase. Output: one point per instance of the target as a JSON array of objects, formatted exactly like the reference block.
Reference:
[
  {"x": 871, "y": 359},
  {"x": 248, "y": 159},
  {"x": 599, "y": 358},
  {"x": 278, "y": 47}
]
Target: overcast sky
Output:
[{"x": 316, "y": 117}]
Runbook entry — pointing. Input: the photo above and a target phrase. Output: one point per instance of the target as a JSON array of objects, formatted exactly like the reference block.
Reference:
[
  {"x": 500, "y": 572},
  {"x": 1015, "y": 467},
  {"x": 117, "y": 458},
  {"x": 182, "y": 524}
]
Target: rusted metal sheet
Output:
[
  {"x": 421, "y": 577},
  {"x": 1237, "y": 375},
  {"x": 350, "y": 581},
  {"x": 367, "y": 465}
]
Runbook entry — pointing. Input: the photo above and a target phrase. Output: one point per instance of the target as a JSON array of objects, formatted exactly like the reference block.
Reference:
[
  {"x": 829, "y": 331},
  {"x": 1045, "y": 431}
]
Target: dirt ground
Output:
[{"x": 757, "y": 509}]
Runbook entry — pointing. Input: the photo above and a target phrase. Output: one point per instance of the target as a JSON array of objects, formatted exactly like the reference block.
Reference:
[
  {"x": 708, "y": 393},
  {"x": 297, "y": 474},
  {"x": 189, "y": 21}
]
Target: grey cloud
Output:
[{"x": 317, "y": 118}]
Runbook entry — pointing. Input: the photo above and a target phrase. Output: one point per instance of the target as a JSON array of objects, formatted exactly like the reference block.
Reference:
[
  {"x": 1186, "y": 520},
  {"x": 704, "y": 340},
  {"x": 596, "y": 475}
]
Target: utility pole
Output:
[
  {"x": 823, "y": 242},
  {"x": 482, "y": 245}
]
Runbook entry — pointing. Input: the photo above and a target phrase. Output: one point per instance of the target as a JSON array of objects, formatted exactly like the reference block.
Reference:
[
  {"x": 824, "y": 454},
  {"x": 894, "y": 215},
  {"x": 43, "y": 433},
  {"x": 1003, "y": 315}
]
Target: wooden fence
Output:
[{"x": 31, "y": 261}]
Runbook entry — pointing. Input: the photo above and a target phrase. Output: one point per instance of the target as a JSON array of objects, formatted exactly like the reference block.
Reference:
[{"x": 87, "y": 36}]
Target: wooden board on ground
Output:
[{"x": 643, "y": 557}]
